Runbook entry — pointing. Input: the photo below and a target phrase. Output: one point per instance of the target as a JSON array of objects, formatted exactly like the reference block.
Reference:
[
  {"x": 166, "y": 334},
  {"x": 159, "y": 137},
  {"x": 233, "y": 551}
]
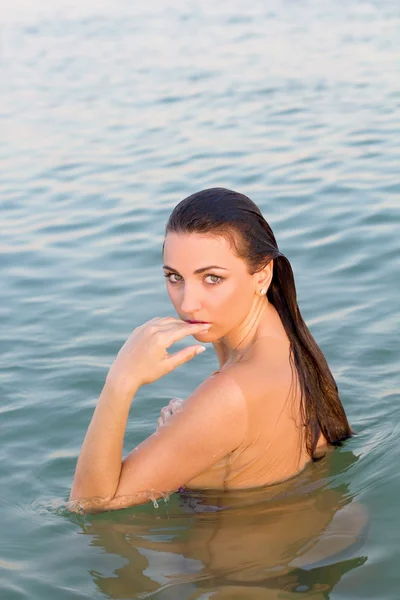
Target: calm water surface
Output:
[{"x": 109, "y": 115}]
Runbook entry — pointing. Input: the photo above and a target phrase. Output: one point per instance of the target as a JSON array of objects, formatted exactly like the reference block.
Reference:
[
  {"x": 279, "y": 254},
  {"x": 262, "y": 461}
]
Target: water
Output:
[{"x": 109, "y": 115}]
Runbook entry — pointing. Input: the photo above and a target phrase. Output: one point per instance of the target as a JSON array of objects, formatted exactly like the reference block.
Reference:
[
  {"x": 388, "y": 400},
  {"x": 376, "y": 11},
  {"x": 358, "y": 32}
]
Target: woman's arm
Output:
[
  {"x": 209, "y": 426},
  {"x": 99, "y": 464},
  {"x": 142, "y": 359}
]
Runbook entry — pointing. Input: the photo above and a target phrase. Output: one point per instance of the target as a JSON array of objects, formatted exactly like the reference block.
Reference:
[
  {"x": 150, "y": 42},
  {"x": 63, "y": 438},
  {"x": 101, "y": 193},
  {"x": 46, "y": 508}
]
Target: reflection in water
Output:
[{"x": 296, "y": 537}]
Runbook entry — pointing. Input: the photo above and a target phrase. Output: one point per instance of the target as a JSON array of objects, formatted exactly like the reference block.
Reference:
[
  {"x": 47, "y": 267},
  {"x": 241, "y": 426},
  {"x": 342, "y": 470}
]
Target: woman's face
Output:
[{"x": 207, "y": 282}]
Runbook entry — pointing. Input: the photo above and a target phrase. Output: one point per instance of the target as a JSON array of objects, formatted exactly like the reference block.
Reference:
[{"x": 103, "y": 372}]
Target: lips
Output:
[{"x": 195, "y": 322}]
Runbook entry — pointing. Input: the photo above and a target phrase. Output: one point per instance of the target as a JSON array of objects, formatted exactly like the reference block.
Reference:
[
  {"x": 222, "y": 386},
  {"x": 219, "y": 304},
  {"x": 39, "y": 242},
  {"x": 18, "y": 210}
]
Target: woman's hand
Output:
[
  {"x": 144, "y": 357},
  {"x": 168, "y": 411}
]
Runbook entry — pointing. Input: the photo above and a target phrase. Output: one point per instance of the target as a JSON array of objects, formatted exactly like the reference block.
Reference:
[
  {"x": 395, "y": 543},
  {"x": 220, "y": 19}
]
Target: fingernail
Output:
[{"x": 200, "y": 350}]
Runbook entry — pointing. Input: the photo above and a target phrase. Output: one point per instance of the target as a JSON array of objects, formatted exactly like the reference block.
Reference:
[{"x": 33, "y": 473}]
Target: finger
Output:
[
  {"x": 159, "y": 324},
  {"x": 175, "y": 400},
  {"x": 163, "y": 321},
  {"x": 165, "y": 412},
  {"x": 175, "y": 404},
  {"x": 169, "y": 323},
  {"x": 173, "y": 361},
  {"x": 176, "y": 333}
]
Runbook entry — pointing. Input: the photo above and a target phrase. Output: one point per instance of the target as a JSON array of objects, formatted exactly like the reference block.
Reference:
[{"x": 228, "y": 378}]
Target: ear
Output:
[{"x": 263, "y": 277}]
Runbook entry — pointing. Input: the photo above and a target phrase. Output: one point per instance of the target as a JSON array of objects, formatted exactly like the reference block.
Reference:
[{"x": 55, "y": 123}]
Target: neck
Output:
[{"x": 263, "y": 320}]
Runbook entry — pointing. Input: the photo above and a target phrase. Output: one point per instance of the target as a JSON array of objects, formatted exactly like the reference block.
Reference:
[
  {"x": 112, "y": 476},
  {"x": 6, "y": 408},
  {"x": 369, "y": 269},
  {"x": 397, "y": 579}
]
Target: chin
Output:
[
  {"x": 207, "y": 337},
  {"x": 201, "y": 336}
]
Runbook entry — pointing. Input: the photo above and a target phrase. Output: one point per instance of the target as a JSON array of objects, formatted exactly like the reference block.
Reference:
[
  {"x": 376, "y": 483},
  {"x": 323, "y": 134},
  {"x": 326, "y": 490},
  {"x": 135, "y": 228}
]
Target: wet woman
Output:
[{"x": 272, "y": 406}]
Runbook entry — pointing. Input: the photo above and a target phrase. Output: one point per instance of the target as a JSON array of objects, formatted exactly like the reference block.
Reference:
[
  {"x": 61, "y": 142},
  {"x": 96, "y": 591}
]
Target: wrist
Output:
[{"x": 119, "y": 388}]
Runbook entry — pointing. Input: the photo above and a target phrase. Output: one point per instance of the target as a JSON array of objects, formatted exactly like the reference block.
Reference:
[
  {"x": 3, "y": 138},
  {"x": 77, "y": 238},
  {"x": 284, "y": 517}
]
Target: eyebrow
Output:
[{"x": 197, "y": 270}]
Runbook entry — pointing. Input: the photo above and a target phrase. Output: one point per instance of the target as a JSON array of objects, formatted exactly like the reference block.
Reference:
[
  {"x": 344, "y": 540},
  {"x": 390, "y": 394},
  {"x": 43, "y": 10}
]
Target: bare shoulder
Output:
[
  {"x": 209, "y": 425},
  {"x": 264, "y": 370},
  {"x": 218, "y": 393}
]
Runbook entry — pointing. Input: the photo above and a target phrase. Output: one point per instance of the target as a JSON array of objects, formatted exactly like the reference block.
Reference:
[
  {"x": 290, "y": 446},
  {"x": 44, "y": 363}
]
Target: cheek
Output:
[
  {"x": 233, "y": 302},
  {"x": 176, "y": 303},
  {"x": 171, "y": 294},
  {"x": 228, "y": 302}
]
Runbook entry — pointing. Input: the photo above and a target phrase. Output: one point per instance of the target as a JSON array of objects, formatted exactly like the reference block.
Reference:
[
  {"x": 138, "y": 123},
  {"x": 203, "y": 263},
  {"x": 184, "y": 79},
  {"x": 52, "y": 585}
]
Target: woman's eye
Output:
[
  {"x": 214, "y": 279},
  {"x": 173, "y": 277}
]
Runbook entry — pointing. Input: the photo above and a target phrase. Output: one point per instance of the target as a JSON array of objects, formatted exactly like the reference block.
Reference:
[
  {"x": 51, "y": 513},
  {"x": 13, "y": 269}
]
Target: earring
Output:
[{"x": 263, "y": 292}]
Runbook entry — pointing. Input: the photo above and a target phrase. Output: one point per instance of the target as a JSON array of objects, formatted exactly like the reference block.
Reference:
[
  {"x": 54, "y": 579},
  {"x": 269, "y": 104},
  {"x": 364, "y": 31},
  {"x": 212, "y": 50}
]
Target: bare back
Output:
[{"x": 274, "y": 445}]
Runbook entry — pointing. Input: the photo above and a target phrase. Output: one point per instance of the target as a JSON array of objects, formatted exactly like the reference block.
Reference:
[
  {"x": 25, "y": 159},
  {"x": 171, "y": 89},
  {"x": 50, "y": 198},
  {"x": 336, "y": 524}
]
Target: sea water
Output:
[{"x": 110, "y": 113}]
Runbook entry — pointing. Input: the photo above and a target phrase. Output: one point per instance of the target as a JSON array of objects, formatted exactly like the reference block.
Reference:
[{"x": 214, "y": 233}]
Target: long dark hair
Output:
[{"x": 226, "y": 213}]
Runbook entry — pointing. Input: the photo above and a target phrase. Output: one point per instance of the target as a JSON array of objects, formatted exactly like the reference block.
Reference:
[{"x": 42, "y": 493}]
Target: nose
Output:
[{"x": 190, "y": 302}]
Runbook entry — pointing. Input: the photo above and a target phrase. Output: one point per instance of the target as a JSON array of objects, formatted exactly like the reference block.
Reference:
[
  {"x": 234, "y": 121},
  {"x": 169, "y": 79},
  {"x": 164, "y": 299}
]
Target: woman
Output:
[{"x": 271, "y": 407}]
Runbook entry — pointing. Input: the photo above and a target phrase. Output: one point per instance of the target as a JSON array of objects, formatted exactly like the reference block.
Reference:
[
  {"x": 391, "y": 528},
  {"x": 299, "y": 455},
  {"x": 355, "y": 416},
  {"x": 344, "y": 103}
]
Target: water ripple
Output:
[{"x": 109, "y": 116}]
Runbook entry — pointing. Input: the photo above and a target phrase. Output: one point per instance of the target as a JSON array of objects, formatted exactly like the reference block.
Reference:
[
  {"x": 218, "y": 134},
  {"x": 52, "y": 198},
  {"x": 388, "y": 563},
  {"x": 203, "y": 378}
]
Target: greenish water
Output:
[{"x": 109, "y": 115}]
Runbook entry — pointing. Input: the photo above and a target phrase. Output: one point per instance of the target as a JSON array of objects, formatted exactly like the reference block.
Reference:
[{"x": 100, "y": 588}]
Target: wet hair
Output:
[{"x": 225, "y": 213}]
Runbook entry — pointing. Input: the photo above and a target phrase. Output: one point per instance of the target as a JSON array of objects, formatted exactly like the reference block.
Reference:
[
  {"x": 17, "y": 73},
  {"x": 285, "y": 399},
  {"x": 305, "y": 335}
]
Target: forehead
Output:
[{"x": 197, "y": 250}]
